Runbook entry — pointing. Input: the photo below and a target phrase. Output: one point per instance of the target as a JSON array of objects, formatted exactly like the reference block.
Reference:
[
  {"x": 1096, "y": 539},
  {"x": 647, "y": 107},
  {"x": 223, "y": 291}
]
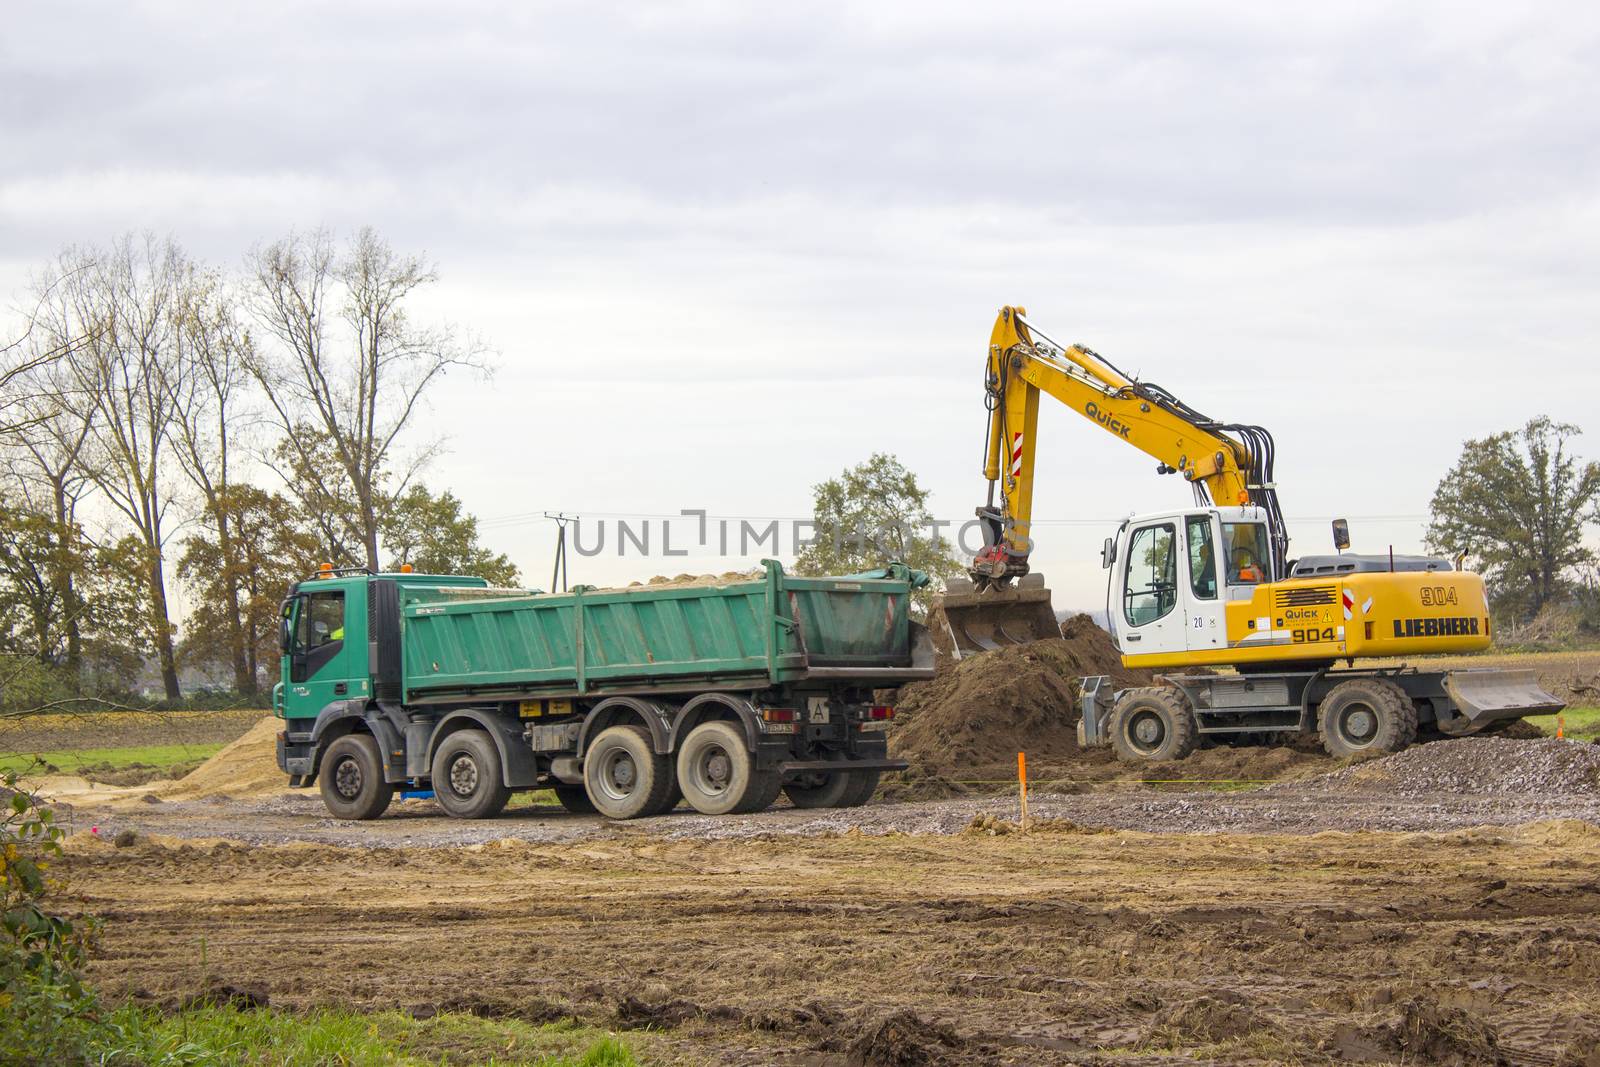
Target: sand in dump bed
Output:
[
  {"x": 1475, "y": 766},
  {"x": 247, "y": 767}
]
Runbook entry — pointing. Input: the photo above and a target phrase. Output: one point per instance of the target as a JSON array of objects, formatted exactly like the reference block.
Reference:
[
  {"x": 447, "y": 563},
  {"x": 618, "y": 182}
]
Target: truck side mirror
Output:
[
  {"x": 1108, "y": 553},
  {"x": 1341, "y": 534},
  {"x": 286, "y": 626}
]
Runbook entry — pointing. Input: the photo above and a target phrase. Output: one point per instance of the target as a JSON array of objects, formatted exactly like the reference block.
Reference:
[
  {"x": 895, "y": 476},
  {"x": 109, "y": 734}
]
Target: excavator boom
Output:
[{"x": 1225, "y": 464}]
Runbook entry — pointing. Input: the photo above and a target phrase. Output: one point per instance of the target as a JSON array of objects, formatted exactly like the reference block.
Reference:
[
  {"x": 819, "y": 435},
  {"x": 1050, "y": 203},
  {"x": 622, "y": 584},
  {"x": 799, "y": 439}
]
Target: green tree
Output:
[
  {"x": 244, "y": 581},
  {"x": 433, "y": 535},
  {"x": 1516, "y": 503},
  {"x": 872, "y": 514}
]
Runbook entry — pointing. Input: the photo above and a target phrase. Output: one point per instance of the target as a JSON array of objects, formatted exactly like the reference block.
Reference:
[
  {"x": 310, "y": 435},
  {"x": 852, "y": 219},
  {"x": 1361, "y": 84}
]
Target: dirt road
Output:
[{"x": 1476, "y": 946}]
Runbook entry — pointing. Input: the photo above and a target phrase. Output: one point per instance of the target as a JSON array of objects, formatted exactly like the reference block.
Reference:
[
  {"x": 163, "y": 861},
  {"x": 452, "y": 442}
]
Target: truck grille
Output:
[{"x": 1308, "y": 596}]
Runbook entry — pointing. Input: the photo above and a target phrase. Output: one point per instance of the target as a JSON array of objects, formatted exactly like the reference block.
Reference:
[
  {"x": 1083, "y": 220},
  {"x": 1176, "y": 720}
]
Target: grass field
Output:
[
  {"x": 210, "y": 1034},
  {"x": 1582, "y": 724},
  {"x": 162, "y": 760}
]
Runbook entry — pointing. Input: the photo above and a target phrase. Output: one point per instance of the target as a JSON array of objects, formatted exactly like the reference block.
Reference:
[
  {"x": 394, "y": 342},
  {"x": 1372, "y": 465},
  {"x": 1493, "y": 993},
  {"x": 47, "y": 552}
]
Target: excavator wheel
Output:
[
  {"x": 1366, "y": 715},
  {"x": 1152, "y": 724}
]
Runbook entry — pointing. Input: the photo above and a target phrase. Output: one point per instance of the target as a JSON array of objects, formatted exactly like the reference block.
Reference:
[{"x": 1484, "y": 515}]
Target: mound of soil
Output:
[
  {"x": 987, "y": 707},
  {"x": 1476, "y": 765},
  {"x": 248, "y": 766},
  {"x": 903, "y": 1039}
]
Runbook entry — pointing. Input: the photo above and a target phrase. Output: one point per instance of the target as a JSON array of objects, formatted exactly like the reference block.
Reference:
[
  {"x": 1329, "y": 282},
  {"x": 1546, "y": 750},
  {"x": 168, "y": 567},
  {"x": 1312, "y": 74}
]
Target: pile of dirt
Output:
[
  {"x": 689, "y": 581},
  {"x": 247, "y": 767},
  {"x": 1425, "y": 1032},
  {"x": 986, "y": 708},
  {"x": 1476, "y": 766},
  {"x": 904, "y": 1039}
]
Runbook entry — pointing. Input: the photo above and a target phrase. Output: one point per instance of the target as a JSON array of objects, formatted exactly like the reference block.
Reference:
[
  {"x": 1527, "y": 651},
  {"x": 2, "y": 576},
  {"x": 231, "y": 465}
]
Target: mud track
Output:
[{"x": 1482, "y": 946}]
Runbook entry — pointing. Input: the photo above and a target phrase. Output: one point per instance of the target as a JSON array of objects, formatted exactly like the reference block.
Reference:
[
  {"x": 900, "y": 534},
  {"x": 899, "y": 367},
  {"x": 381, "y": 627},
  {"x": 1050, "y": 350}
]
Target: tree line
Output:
[{"x": 163, "y": 419}]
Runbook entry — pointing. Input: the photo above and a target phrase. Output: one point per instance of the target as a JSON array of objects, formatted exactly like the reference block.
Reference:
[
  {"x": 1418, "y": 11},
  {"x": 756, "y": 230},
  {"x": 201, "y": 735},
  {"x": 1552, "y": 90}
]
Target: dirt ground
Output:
[{"x": 1063, "y": 945}]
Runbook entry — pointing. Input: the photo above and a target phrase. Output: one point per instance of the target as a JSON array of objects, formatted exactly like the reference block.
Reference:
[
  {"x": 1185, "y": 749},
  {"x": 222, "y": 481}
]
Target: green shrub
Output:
[{"x": 46, "y": 1013}]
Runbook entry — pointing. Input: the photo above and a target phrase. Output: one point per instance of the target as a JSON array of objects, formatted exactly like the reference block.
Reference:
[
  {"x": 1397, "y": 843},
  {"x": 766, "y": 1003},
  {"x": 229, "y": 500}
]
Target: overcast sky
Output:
[{"x": 724, "y": 250}]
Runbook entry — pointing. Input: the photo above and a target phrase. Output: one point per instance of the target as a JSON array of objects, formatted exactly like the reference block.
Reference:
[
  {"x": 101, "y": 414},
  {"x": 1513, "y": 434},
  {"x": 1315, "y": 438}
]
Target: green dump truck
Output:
[{"x": 622, "y": 701}]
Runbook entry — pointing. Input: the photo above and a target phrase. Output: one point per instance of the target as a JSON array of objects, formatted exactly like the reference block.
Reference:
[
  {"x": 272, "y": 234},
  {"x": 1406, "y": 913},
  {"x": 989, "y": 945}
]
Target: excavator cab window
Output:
[
  {"x": 1202, "y": 558},
  {"x": 1151, "y": 589},
  {"x": 1246, "y": 546}
]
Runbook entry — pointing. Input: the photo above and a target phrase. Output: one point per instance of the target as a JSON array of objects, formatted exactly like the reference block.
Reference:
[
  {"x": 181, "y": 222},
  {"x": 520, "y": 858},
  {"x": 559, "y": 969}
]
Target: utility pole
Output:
[{"x": 558, "y": 577}]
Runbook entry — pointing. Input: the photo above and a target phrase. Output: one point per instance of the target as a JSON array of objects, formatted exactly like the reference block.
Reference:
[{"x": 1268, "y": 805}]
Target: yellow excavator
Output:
[{"x": 1211, "y": 585}]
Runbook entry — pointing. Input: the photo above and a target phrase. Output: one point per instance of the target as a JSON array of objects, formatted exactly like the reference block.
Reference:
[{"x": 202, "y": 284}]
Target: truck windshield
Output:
[{"x": 1246, "y": 547}]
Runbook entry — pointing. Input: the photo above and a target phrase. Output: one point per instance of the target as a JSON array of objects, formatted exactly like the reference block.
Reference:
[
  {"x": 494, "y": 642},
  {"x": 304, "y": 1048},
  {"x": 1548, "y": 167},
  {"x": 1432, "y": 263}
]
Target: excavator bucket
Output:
[
  {"x": 1486, "y": 696},
  {"x": 979, "y": 620}
]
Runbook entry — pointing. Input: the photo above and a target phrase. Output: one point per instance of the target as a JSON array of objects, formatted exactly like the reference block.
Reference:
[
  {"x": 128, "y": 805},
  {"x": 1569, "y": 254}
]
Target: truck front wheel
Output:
[
  {"x": 467, "y": 779},
  {"x": 718, "y": 775},
  {"x": 352, "y": 778},
  {"x": 624, "y": 776}
]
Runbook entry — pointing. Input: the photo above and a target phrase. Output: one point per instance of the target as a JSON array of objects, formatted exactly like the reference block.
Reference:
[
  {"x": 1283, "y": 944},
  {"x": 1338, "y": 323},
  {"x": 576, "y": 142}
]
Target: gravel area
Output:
[{"x": 1443, "y": 786}]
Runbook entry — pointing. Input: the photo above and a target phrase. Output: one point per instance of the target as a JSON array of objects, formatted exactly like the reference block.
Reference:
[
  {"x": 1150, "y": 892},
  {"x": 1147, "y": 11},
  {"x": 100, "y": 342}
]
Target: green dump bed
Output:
[{"x": 770, "y": 630}]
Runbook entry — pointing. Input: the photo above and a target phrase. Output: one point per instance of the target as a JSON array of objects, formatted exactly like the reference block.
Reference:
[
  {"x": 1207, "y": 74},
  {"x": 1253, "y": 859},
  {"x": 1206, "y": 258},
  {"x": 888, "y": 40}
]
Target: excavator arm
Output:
[{"x": 1225, "y": 464}]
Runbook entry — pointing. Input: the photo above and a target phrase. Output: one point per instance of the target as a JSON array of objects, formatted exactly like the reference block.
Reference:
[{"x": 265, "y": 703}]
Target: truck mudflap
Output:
[{"x": 1489, "y": 695}]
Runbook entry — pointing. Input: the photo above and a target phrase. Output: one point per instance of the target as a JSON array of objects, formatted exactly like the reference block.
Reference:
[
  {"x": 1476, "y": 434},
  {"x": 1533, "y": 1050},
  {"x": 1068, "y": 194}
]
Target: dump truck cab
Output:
[{"x": 330, "y": 652}]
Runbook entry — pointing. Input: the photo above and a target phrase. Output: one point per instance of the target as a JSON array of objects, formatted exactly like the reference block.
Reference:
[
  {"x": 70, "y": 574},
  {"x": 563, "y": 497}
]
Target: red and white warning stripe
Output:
[
  {"x": 1349, "y": 599},
  {"x": 1016, "y": 455}
]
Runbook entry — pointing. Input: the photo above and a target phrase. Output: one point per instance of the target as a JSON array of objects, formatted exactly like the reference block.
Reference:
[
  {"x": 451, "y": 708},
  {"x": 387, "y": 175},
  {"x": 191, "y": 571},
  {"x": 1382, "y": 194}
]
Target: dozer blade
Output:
[
  {"x": 1489, "y": 695},
  {"x": 981, "y": 620}
]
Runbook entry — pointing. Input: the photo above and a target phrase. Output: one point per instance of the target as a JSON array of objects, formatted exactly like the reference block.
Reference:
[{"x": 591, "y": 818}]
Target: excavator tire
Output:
[
  {"x": 1152, "y": 724},
  {"x": 1366, "y": 715}
]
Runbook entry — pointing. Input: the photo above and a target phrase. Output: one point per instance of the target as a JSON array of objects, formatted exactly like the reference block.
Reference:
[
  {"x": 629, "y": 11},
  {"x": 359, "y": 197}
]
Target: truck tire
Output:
[
  {"x": 468, "y": 781},
  {"x": 819, "y": 789},
  {"x": 718, "y": 773},
  {"x": 1152, "y": 724},
  {"x": 624, "y": 776},
  {"x": 352, "y": 778},
  {"x": 832, "y": 789},
  {"x": 575, "y": 798},
  {"x": 1366, "y": 715},
  {"x": 862, "y": 785}
]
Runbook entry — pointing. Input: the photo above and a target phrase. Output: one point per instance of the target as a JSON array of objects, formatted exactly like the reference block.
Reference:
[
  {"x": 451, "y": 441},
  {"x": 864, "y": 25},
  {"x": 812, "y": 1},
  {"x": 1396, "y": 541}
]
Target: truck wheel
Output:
[
  {"x": 352, "y": 778},
  {"x": 1152, "y": 724},
  {"x": 1366, "y": 715},
  {"x": 467, "y": 780},
  {"x": 718, "y": 774},
  {"x": 819, "y": 789},
  {"x": 862, "y": 785},
  {"x": 624, "y": 776},
  {"x": 575, "y": 798}
]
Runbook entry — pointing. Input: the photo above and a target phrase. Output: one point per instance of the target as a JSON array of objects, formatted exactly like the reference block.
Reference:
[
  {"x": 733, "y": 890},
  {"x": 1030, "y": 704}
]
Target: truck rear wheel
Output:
[
  {"x": 832, "y": 789},
  {"x": 624, "y": 776},
  {"x": 467, "y": 779},
  {"x": 862, "y": 785},
  {"x": 575, "y": 798},
  {"x": 352, "y": 778},
  {"x": 1152, "y": 724},
  {"x": 818, "y": 789},
  {"x": 1366, "y": 715},
  {"x": 718, "y": 775}
]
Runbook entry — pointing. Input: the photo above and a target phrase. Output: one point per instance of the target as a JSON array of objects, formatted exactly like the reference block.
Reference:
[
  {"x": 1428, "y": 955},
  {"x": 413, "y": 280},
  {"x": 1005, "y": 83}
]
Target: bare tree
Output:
[
  {"x": 126, "y": 301},
  {"x": 45, "y": 465},
  {"x": 204, "y": 383},
  {"x": 355, "y": 383}
]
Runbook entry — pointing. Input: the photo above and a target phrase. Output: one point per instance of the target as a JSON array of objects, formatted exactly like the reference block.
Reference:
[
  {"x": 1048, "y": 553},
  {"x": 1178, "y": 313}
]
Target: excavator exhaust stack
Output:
[{"x": 980, "y": 620}]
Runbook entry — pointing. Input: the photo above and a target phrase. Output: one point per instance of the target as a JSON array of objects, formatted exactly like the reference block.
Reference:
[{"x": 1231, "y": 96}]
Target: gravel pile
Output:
[{"x": 1473, "y": 766}]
